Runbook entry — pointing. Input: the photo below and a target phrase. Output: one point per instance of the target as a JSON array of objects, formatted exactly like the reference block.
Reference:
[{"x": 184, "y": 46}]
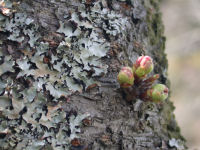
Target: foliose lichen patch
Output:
[{"x": 33, "y": 83}]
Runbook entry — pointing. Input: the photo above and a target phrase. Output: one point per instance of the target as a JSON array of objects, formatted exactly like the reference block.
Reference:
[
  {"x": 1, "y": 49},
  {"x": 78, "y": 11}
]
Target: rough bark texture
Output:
[{"x": 130, "y": 28}]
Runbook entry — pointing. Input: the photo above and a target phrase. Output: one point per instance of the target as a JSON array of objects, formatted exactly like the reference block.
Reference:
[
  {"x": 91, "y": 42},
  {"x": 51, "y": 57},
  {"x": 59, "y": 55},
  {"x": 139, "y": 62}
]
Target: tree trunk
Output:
[{"x": 59, "y": 64}]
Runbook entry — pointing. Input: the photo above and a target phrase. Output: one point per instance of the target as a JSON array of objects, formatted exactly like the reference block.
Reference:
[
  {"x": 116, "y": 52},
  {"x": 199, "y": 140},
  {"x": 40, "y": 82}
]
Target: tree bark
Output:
[{"x": 59, "y": 64}]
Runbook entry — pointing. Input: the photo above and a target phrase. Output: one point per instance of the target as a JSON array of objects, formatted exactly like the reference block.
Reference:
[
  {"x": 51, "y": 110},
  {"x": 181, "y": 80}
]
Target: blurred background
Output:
[{"x": 182, "y": 29}]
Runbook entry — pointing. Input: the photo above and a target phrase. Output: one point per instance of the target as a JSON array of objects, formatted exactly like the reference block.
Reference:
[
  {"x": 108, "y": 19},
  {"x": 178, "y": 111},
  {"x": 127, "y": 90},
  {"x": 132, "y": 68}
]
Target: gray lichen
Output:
[
  {"x": 176, "y": 143},
  {"x": 44, "y": 74},
  {"x": 38, "y": 77}
]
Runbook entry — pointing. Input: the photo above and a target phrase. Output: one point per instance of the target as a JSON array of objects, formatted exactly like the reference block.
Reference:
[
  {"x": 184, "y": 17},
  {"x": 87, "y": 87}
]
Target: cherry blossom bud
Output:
[
  {"x": 125, "y": 77},
  {"x": 158, "y": 92},
  {"x": 143, "y": 66}
]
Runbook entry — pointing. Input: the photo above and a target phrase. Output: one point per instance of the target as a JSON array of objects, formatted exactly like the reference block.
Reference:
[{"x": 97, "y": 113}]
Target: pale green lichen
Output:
[
  {"x": 7, "y": 65},
  {"x": 37, "y": 124},
  {"x": 28, "y": 96}
]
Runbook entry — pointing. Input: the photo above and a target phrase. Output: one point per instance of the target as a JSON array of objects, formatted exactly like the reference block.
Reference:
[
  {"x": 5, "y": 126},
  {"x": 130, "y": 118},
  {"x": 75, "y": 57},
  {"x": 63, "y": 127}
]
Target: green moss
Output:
[
  {"x": 155, "y": 33},
  {"x": 154, "y": 22}
]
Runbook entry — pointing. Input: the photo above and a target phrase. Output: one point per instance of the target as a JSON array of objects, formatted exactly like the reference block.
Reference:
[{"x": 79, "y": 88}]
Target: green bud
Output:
[
  {"x": 143, "y": 66},
  {"x": 158, "y": 92},
  {"x": 125, "y": 77}
]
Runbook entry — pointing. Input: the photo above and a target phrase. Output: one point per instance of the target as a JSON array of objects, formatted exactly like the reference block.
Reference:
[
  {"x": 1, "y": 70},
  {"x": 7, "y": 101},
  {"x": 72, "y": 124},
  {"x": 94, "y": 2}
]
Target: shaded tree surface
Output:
[{"x": 58, "y": 69}]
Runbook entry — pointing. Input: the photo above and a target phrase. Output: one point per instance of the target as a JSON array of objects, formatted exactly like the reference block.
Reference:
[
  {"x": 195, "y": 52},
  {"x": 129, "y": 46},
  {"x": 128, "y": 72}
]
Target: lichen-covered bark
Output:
[{"x": 59, "y": 63}]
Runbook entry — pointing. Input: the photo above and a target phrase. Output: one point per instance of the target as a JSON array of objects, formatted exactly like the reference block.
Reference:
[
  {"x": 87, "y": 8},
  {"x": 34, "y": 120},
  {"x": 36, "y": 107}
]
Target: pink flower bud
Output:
[
  {"x": 125, "y": 77},
  {"x": 158, "y": 92},
  {"x": 143, "y": 66}
]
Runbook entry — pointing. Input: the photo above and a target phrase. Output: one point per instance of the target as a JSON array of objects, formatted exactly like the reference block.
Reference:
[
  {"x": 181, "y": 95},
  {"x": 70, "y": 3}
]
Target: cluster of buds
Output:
[{"x": 141, "y": 86}]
